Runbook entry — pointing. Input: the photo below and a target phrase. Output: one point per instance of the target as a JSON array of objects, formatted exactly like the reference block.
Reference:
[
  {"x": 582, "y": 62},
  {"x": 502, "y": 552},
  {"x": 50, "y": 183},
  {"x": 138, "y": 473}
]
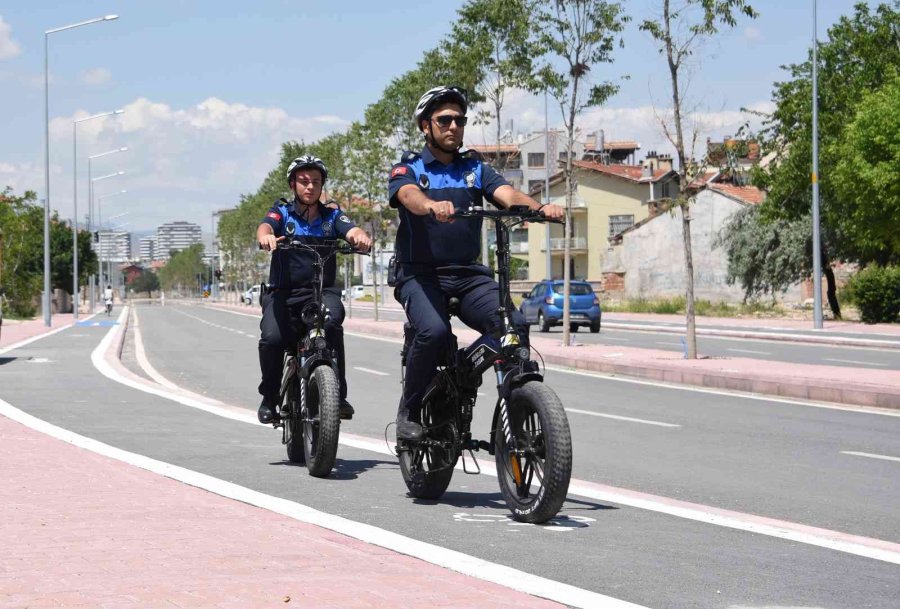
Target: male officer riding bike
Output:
[
  {"x": 291, "y": 274},
  {"x": 437, "y": 255}
]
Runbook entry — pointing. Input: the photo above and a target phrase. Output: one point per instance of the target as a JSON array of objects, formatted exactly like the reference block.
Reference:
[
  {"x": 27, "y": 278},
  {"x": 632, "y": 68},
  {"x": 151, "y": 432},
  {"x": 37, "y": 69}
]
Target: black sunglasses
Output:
[{"x": 445, "y": 120}]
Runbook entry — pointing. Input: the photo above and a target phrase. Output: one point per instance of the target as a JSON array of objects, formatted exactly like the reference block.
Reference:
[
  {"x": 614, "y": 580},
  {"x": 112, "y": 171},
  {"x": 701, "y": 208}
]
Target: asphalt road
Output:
[
  {"x": 774, "y": 459},
  {"x": 718, "y": 346}
]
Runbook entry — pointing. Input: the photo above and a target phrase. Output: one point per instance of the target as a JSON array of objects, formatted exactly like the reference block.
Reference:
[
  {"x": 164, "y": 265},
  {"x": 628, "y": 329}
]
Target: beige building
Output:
[{"x": 608, "y": 199}]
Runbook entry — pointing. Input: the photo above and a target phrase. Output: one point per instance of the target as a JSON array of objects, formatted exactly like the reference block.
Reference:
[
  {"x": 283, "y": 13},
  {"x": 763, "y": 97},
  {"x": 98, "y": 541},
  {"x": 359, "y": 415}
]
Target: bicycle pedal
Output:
[{"x": 474, "y": 461}]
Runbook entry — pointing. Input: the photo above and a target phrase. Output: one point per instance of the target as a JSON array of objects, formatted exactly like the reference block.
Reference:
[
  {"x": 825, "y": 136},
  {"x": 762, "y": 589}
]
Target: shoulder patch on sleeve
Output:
[
  {"x": 471, "y": 154},
  {"x": 274, "y": 215},
  {"x": 399, "y": 170}
]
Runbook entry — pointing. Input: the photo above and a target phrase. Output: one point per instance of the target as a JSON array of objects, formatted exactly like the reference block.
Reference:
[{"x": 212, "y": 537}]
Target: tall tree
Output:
[
  {"x": 21, "y": 266},
  {"x": 575, "y": 35},
  {"x": 860, "y": 55},
  {"x": 866, "y": 178},
  {"x": 678, "y": 31}
]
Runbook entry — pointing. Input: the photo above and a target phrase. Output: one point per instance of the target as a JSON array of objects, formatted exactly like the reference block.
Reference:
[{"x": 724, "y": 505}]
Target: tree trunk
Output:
[
  {"x": 690, "y": 330},
  {"x": 567, "y": 231}
]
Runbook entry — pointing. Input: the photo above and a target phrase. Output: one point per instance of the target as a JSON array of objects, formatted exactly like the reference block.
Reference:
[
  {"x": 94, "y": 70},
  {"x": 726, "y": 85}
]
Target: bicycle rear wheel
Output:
[
  {"x": 426, "y": 466},
  {"x": 534, "y": 474},
  {"x": 322, "y": 421}
]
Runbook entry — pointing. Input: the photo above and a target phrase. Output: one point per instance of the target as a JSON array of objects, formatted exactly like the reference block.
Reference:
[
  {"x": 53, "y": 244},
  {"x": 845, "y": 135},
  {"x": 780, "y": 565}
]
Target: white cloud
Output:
[
  {"x": 752, "y": 35},
  {"x": 96, "y": 76},
  {"x": 8, "y": 46},
  {"x": 182, "y": 163}
]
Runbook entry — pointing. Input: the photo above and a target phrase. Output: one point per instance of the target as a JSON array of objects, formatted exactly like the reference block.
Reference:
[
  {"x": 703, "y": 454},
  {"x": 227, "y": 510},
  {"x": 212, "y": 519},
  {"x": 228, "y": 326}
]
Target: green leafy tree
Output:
[
  {"x": 145, "y": 282},
  {"x": 21, "y": 252},
  {"x": 677, "y": 32},
  {"x": 861, "y": 55},
  {"x": 183, "y": 269},
  {"x": 575, "y": 36},
  {"x": 496, "y": 35},
  {"x": 61, "y": 263},
  {"x": 768, "y": 256},
  {"x": 867, "y": 176}
]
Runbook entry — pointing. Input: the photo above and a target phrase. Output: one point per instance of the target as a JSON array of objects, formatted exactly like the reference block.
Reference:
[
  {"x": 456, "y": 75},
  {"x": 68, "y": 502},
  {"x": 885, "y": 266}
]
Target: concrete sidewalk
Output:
[{"x": 79, "y": 529}]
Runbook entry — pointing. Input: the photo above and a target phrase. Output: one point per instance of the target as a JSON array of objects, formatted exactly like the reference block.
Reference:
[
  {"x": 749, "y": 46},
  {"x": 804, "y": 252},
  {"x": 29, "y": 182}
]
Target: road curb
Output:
[{"x": 793, "y": 338}]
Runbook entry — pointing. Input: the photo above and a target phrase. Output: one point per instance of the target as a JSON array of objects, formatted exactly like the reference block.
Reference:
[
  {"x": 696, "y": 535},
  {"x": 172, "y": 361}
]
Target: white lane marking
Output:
[
  {"x": 370, "y": 371},
  {"x": 28, "y": 341},
  {"x": 852, "y": 361},
  {"x": 142, "y": 360},
  {"x": 869, "y": 455},
  {"x": 621, "y": 418},
  {"x": 835, "y": 540},
  {"x": 623, "y": 340},
  {"x": 449, "y": 559},
  {"x": 668, "y": 344},
  {"x": 749, "y": 351},
  {"x": 690, "y": 388}
]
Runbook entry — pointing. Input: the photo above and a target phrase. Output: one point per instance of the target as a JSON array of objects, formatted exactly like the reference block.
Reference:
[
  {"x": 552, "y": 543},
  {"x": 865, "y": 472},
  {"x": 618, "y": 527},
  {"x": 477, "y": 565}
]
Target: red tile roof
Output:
[
  {"x": 745, "y": 194},
  {"x": 634, "y": 173}
]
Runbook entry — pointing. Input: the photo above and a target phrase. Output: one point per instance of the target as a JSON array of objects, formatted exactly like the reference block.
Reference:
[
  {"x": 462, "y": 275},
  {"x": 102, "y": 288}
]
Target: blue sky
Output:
[{"x": 211, "y": 89}]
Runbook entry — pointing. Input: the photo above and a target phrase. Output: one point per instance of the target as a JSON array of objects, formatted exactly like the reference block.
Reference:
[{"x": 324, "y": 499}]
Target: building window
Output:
[
  {"x": 513, "y": 161},
  {"x": 562, "y": 155},
  {"x": 535, "y": 159},
  {"x": 619, "y": 223},
  {"x": 534, "y": 183}
]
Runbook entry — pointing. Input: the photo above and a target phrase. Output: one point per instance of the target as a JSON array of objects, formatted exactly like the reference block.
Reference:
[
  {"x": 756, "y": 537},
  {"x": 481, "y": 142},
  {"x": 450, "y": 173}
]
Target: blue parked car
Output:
[{"x": 543, "y": 305}]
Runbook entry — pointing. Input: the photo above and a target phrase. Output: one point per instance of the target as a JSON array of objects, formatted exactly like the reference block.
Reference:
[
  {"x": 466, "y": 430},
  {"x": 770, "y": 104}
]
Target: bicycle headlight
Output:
[
  {"x": 522, "y": 353},
  {"x": 309, "y": 313},
  {"x": 316, "y": 340}
]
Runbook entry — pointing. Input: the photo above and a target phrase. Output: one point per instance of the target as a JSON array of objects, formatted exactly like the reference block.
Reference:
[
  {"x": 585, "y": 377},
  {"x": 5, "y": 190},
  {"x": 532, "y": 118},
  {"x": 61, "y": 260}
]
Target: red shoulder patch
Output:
[
  {"x": 274, "y": 215},
  {"x": 400, "y": 170}
]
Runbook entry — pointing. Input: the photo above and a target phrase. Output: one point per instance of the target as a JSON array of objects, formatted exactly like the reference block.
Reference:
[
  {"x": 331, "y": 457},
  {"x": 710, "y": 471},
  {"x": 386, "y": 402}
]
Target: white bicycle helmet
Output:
[
  {"x": 307, "y": 161},
  {"x": 439, "y": 94}
]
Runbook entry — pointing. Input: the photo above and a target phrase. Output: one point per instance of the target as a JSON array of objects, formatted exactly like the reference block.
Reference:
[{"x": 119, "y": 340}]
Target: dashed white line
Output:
[
  {"x": 870, "y": 455},
  {"x": 669, "y": 344},
  {"x": 370, "y": 371},
  {"x": 750, "y": 351},
  {"x": 621, "y": 418},
  {"x": 853, "y": 361}
]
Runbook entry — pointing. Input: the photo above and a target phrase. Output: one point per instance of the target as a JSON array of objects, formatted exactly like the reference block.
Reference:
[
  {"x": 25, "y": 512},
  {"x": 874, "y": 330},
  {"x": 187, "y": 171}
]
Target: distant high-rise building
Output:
[
  {"x": 115, "y": 245},
  {"x": 174, "y": 237},
  {"x": 148, "y": 249}
]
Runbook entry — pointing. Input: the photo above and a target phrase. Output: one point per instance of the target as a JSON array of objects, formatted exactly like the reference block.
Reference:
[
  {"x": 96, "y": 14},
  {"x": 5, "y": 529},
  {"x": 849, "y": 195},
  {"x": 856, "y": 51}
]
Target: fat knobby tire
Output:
[
  {"x": 323, "y": 391},
  {"x": 546, "y": 500}
]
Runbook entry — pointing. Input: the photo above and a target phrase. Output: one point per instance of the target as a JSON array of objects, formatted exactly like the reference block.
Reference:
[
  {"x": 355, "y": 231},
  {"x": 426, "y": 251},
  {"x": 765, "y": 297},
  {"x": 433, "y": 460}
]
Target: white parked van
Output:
[
  {"x": 356, "y": 291},
  {"x": 251, "y": 296}
]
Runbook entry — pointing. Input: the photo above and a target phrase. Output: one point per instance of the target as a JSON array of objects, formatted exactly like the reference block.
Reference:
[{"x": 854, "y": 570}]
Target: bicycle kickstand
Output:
[{"x": 474, "y": 461}]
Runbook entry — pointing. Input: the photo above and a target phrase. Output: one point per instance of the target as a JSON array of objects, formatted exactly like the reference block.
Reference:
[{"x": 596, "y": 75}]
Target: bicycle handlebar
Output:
[{"x": 516, "y": 211}]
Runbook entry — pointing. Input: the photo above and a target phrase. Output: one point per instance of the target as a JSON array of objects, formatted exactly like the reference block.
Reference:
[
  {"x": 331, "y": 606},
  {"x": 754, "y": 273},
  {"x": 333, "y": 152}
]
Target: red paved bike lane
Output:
[{"x": 78, "y": 529}]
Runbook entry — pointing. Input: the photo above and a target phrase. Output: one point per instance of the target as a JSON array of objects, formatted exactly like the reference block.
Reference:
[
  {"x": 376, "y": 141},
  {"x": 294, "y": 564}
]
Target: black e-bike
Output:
[
  {"x": 529, "y": 436},
  {"x": 310, "y": 398}
]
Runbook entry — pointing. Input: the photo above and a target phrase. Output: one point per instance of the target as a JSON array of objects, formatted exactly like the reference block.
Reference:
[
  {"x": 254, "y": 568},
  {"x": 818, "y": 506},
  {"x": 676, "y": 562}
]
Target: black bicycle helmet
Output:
[{"x": 440, "y": 94}]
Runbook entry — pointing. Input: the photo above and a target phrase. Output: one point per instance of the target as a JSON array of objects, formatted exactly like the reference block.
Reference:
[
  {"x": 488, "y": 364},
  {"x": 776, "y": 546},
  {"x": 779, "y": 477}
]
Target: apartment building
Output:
[{"x": 174, "y": 237}]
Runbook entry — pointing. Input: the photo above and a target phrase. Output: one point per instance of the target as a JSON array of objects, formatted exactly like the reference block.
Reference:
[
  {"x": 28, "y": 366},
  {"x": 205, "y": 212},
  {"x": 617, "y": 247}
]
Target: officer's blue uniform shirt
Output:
[
  {"x": 293, "y": 269},
  {"x": 465, "y": 182}
]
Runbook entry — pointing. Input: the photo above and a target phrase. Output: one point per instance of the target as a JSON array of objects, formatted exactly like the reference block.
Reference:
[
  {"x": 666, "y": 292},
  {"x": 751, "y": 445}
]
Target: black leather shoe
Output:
[
  {"x": 407, "y": 427},
  {"x": 347, "y": 411},
  {"x": 266, "y": 412}
]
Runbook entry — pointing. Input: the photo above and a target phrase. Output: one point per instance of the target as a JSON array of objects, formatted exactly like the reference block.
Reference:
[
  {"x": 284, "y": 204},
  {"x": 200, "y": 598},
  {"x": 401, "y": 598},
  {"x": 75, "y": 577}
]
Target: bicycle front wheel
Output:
[
  {"x": 321, "y": 421},
  {"x": 534, "y": 473}
]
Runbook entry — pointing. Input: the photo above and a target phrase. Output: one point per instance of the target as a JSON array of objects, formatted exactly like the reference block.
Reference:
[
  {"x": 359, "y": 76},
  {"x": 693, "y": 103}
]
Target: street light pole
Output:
[
  {"x": 91, "y": 211},
  {"x": 75, "y": 290},
  {"x": 817, "y": 244},
  {"x": 99, "y": 221},
  {"x": 46, "y": 298}
]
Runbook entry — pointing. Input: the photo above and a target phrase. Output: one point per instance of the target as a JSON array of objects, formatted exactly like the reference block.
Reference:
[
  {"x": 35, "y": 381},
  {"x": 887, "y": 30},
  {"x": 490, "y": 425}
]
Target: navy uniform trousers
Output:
[
  {"x": 424, "y": 297},
  {"x": 280, "y": 320}
]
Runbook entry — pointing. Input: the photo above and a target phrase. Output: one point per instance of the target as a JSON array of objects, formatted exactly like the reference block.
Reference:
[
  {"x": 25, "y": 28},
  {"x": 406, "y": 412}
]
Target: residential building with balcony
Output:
[
  {"x": 176, "y": 236},
  {"x": 147, "y": 249},
  {"x": 608, "y": 199},
  {"x": 114, "y": 245}
]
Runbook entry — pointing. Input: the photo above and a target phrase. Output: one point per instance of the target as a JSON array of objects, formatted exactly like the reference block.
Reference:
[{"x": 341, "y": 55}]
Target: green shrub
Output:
[{"x": 876, "y": 292}]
